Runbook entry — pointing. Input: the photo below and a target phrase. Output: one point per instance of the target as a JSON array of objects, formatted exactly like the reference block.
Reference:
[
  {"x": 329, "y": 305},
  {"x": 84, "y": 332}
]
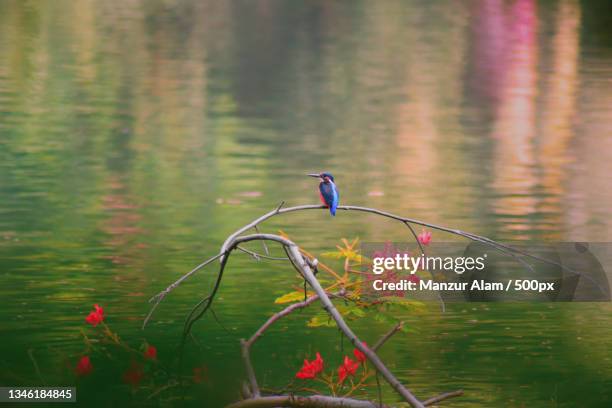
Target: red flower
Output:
[
  {"x": 318, "y": 363},
  {"x": 133, "y": 375},
  {"x": 348, "y": 367},
  {"x": 99, "y": 310},
  {"x": 84, "y": 366},
  {"x": 310, "y": 368},
  {"x": 359, "y": 355},
  {"x": 151, "y": 353},
  {"x": 96, "y": 316},
  {"x": 424, "y": 237}
]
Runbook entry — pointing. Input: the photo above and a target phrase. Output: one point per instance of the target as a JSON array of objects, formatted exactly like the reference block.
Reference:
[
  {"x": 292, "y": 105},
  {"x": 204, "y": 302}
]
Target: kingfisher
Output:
[{"x": 327, "y": 191}]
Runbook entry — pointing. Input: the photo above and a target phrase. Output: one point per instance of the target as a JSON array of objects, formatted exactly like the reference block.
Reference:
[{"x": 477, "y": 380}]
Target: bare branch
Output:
[
  {"x": 473, "y": 237},
  {"x": 416, "y": 238},
  {"x": 442, "y": 397},
  {"x": 259, "y": 256},
  {"x": 249, "y": 368},
  {"x": 387, "y": 336},
  {"x": 289, "y": 309},
  {"x": 246, "y": 344},
  {"x": 161, "y": 295},
  {"x": 312, "y": 401},
  {"x": 265, "y": 246}
]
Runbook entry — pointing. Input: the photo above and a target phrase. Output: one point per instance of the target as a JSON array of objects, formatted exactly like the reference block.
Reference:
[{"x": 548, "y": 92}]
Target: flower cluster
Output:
[
  {"x": 310, "y": 369},
  {"x": 135, "y": 373},
  {"x": 349, "y": 367}
]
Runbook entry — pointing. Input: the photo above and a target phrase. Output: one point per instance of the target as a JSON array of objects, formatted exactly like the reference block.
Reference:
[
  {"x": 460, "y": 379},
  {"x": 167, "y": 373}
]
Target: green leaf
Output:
[
  {"x": 292, "y": 297},
  {"x": 321, "y": 320},
  {"x": 351, "y": 255}
]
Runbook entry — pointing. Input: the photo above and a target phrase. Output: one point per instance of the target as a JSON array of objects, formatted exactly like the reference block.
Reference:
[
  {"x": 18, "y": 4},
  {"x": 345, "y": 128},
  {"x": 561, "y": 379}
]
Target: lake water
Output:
[{"x": 135, "y": 136}]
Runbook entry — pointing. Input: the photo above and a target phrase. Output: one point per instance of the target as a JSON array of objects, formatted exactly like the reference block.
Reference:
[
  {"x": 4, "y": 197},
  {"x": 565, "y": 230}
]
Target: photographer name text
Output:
[{"x": 519, "y": 285}]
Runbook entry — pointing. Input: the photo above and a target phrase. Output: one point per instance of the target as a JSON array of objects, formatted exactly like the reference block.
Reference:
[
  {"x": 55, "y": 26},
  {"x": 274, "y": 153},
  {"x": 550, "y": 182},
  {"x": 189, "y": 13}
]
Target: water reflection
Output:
[
  {"x": 514, "y": 125},
  {"x": 135, "y": 135}
]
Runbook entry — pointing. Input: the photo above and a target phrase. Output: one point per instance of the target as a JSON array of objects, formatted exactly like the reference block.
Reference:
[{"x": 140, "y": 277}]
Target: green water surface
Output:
[{"x": 136, "y": 135}]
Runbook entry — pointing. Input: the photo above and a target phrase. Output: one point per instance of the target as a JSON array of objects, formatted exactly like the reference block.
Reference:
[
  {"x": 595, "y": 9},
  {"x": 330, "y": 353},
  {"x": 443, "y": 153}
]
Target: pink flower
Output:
[
  {"x": 348, "y": 367},
  {"x": 424, "y": 237},
  {"x": 150, "y": 353},
  {"x": 84, "y": 366},
  {"x": 96, "y": 316}
]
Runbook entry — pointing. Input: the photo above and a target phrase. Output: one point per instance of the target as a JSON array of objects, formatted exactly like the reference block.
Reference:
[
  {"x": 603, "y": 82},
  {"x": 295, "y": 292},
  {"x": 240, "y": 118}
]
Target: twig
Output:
[
  {"x": 259, "y": 256},
  {"x": 31, "y": 354},
  {"x": 442, "y": 397},
  {"x": 289, "y": 309},
  {"x": 279, "y": 206},
  {"x": 265, "y": 246},
  {"x": 387, "y": 336},
  {"x": 161, "y": 295},
  {"x": 246, "y": 344},
  {"x": 416, "y": 238}
]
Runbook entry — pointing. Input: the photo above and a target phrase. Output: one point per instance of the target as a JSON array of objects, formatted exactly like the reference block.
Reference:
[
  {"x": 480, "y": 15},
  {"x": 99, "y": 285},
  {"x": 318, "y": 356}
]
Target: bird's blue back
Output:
[{"x": 330, "y": 195}]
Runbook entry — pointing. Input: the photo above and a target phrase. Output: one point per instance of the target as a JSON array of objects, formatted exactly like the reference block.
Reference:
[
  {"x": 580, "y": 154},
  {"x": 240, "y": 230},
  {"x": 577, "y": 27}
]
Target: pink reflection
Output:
[
  {"x": 560, "y": 106},
  {"x": 122, "y": 225},
  {"x": 515, "y": 122},
  {"x": 489, "y": 39}
]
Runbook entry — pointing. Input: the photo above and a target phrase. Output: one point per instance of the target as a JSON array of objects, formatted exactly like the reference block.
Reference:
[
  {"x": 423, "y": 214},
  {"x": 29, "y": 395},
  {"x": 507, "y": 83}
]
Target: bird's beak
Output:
[{"x": 313, "y": 175}]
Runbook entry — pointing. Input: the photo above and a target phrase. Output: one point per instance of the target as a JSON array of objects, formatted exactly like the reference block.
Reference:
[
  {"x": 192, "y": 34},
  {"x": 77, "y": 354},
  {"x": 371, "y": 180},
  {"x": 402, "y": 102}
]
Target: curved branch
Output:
[
  {"x": 507, "y": 249},
  {"x": 513, "y": 252}
]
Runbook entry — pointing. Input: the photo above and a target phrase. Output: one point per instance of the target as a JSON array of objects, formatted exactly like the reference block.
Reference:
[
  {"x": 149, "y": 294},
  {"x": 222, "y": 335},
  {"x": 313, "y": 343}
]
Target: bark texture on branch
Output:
[{"x": 312, "y": 401}]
